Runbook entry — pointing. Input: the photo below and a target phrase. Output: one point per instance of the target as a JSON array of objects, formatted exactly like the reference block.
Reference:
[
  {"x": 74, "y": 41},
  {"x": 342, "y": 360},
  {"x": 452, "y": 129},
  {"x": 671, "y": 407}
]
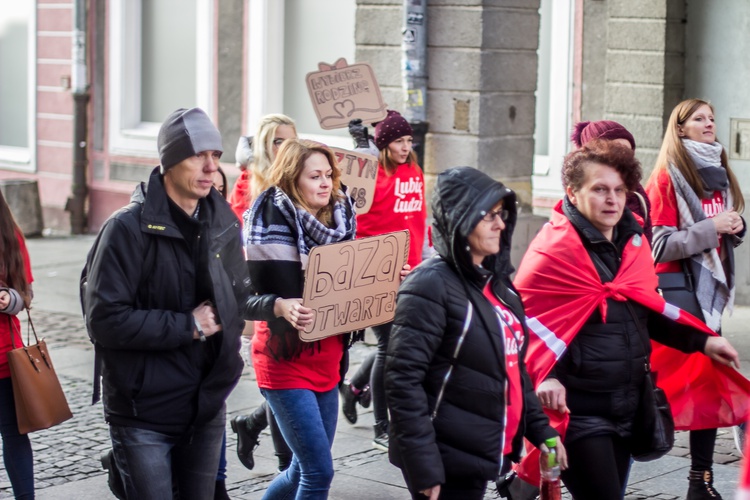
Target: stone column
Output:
[
  {"x": 482, "y": 67},
  {"x": 645, "y": 64}
]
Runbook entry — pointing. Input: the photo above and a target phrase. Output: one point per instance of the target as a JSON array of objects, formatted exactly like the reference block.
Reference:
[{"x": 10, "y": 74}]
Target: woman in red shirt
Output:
[
  {"x": 398, "y": 204},
  {"x": 15, "y": 294},
  {"x": 303, "y": 208},
  {"x": 696, "y": 203}
]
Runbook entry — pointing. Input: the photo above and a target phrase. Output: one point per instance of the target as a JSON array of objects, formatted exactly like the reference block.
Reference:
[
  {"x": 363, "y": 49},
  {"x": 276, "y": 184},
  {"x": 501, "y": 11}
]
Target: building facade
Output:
[{"x": 507, "y": 79}]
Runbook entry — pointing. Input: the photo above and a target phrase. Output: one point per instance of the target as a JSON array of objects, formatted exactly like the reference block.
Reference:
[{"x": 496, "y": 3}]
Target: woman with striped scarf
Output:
[
  {"x": 304, "y": 207},
  {"x": 696, "y": 203}
]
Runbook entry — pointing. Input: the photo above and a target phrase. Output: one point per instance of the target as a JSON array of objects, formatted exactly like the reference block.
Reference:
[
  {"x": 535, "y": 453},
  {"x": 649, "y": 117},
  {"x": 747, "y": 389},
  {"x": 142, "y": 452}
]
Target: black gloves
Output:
[{"x": 359, "y": 133}]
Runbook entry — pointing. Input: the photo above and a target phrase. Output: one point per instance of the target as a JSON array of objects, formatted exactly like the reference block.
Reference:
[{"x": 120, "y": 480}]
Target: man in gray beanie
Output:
[{"x": 167, "y": 282}]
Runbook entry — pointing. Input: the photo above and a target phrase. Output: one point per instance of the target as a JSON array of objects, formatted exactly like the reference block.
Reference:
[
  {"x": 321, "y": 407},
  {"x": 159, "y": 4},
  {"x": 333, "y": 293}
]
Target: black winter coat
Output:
[
  {"x": 604, "y": 367},
  {"x": 465, "y": 438},
  {"x": 155, "y": 375}
]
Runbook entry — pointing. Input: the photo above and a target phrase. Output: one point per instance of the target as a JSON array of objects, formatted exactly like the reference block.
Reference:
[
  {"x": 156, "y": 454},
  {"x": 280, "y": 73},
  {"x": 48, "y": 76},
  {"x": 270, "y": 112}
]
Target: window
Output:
[
  {"x": 17, "y": 34},
  {"x": 553, "y": 100},
  {"x": 287, "y": 40},
  {"x": 159, "y": 62}
]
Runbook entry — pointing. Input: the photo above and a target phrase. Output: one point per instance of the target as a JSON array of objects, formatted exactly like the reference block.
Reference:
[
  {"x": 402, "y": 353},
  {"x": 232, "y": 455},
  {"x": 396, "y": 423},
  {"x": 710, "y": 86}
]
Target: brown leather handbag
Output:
[{"x": 39, "y": 398}]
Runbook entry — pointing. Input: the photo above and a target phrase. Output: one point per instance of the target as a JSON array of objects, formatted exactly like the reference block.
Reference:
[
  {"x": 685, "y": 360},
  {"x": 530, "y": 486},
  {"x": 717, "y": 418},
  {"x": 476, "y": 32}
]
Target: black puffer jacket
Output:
[
  {"x": 140, "y": 296},
  {"x": 465, "y": 438},
  {"x": 604, "y": 366}
]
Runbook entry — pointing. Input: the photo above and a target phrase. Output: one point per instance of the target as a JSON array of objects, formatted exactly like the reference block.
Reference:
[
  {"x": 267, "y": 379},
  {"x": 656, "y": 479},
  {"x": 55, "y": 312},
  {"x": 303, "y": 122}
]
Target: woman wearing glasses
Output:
[{"x": 458, "y": 392}]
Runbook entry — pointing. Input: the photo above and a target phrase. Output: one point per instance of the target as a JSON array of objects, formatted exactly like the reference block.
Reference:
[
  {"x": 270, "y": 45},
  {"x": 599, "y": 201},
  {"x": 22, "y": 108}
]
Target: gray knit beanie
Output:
[{"x": 185, "y": 133}]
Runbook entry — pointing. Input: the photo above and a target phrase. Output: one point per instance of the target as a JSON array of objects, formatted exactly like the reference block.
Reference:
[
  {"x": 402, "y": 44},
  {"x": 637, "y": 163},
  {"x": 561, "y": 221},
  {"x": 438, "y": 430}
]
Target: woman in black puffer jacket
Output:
[{"x": 457, "y": 421}]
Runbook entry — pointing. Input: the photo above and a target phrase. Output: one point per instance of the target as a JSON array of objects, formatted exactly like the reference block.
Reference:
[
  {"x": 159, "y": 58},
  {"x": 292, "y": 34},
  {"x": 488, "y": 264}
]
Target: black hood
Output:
[{"x": 461, "y": 197}]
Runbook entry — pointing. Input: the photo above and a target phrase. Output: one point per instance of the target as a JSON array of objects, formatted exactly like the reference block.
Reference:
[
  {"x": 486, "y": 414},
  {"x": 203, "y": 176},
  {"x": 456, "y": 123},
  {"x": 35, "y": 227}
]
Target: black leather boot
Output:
[
  {"x": 702, "y": 485},
  {"x": 247, "y": 431}
]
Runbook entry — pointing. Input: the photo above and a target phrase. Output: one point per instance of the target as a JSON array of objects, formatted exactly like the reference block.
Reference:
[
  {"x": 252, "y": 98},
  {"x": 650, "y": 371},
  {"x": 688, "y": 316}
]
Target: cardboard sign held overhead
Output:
[
  {"x": 341, "y": 93},
  {"x": 352, "y": 285},
  {"x": 359, "y": 171}
]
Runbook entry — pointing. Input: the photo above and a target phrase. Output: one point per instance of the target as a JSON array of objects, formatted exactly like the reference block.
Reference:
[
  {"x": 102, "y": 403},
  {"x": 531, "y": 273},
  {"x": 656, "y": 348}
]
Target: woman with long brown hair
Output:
[
  {"x": 696, "y": 204},
  {"x": 15, "y": 294},
  {"x": 304, "y": 207}
]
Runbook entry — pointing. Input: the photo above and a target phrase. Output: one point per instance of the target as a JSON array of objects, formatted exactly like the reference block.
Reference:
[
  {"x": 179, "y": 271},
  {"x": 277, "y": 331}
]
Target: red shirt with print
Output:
[
  {"x": 664, "y": 211},
  {"x": 513, "y": 339},
  {"x": 398, "y": 204}
]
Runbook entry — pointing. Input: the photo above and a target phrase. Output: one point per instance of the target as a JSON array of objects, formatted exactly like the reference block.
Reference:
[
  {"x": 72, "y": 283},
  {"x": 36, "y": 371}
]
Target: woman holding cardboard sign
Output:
[
  {"x": 305, "y": 207},
  {"x": 398, "y": 204},
  {"x": 15, "y": 294},
  {"x": 460, "y": 398}
]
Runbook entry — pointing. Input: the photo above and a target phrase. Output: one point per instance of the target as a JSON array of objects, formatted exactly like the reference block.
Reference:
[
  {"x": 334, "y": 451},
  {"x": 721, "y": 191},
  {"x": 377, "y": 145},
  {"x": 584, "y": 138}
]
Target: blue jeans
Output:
[
  {"x": 307, "y": 421},
  {"x": 19, "y": 462},
  {"x": 150, "y": 462}
]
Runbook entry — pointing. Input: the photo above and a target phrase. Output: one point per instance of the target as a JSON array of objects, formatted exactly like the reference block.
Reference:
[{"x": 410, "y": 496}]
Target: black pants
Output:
[
  {"x": 372, "y": 372},
  {"x": 598, "y": 468},
  {"x": 702, "y": 449}
]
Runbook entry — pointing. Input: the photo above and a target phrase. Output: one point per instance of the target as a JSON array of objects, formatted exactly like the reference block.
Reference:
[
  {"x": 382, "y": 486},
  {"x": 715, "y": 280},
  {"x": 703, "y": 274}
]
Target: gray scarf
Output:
[{"x": 713, "y": 275}]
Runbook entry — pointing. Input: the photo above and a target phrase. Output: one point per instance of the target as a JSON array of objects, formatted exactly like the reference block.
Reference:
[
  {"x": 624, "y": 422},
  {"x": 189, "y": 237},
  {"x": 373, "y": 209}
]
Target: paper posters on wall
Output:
[
  {"x": 359, "y": 172},
  {"x": 352, "y": 285},
  {"x": 341, "y": 93}
]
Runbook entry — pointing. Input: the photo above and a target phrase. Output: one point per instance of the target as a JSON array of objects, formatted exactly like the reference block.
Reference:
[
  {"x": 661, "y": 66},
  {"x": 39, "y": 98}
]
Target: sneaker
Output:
[
  {"x": 380, "y": 442},
  {"x": 348, "y": 402},
  {"x": 739, "y": 438},
  {"x": 247, "y": 439},
  {"x": 114, "y": 479},
  {"x": 365, "y": 397}
]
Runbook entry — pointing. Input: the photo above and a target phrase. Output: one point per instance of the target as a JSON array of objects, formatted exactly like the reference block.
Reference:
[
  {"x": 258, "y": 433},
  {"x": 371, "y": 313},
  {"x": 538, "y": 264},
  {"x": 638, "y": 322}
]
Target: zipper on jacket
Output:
[{"x": 135, "y": 410}]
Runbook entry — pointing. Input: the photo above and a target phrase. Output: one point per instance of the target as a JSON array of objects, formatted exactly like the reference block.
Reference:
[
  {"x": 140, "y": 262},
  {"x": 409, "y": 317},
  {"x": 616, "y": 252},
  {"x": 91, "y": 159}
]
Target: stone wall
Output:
[
  {"x": 644, "y": 72},
  {"x": 481, "y": 81}
]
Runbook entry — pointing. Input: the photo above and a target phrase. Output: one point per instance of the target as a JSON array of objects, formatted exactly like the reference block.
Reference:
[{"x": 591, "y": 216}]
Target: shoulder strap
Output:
[
  {"x": 644, "y": 207},
  {"x": 456, "y": 351}
]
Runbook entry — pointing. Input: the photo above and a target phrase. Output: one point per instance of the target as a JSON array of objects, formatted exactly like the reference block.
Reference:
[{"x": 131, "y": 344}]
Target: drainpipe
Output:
[
  {"x": 76, "y": 204},
  {"x": 414, "y": 71}
]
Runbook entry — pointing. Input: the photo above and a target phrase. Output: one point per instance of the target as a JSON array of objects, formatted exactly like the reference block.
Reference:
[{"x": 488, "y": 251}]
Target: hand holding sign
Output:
[
  {"x": 340, "y": 92},
  {"x": 294, "y": 312}
]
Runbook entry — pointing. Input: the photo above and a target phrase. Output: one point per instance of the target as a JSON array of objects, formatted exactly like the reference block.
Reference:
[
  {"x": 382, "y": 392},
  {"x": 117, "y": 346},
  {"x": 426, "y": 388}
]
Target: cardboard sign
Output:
[
  {"x": 359, "y": 171},
  {"x": 352, "y": 285},
  {"x": 341, "y": 93}
]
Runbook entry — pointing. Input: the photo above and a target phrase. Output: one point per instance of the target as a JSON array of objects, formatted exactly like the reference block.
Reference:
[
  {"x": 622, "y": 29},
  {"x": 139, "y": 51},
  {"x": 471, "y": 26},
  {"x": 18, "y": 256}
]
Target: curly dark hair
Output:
[{"x": 604, "y": 152}]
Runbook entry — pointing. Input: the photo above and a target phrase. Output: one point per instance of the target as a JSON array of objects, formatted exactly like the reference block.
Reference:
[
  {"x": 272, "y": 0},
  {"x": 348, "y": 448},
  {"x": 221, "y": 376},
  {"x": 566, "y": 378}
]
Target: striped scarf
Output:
[
  {"x": 713, "y": 275},
  {"x": 278, "y": 237}
]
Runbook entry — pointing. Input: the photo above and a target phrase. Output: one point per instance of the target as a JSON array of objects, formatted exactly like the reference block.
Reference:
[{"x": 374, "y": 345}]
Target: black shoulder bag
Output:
[{"x": 679, "y": 289}]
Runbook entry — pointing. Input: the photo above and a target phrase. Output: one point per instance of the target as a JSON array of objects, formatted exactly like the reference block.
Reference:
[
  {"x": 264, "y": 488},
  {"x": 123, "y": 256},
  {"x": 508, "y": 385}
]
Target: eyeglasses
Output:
[{"x": 490, "y": 216}]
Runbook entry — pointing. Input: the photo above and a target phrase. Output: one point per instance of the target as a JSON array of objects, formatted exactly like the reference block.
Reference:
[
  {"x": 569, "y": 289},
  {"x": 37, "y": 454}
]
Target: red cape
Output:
[{"x": 560, "y": 288}]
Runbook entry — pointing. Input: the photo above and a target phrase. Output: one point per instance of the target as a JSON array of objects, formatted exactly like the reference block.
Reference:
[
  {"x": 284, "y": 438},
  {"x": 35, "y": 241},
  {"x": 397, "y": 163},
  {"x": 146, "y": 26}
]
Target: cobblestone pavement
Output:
[{"x": 70, "y": 452}]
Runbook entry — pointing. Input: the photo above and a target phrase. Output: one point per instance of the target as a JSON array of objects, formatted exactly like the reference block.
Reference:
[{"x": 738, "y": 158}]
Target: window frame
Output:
[
  {"x": 14, "y": 157},
  {"x": 547, "y": 168},
  {"x": 128, "y": 134}
]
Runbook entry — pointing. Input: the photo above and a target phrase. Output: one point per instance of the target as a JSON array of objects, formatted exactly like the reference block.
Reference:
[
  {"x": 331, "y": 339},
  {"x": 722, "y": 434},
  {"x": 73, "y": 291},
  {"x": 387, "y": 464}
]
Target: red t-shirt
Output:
[
  {"x": 398, "y": 204},
  {"x": 513, "y": 339},
  {"x": 314, "y": 370},
  {"x": 5, "y": 342},
  {"x": 664, "y": 211}
]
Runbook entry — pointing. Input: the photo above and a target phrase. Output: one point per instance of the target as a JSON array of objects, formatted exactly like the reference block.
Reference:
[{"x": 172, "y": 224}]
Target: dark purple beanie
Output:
[
  {"x": 391, "y": 128},
  {"x": 184, "y": 133},
  {"x": 584, "y": 132}
]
